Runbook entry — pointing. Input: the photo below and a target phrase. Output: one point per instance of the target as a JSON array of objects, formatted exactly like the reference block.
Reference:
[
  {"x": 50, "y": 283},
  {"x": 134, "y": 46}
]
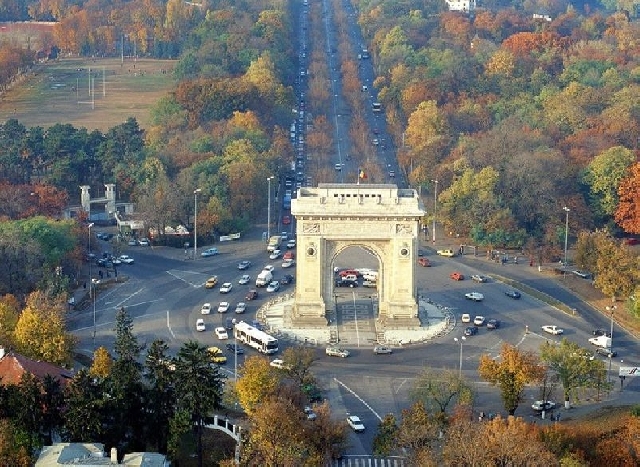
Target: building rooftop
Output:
[{"x": 13, "y": 366}]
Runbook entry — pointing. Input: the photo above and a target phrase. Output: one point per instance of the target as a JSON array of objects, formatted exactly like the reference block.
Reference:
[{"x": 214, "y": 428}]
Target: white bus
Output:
[{"x": 253, "y": 337}]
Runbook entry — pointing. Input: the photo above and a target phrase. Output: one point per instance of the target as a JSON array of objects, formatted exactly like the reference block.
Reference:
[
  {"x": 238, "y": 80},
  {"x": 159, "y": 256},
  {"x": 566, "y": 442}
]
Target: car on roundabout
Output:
[
  {"x": 493, "y": 324},
  {"x": 479, "y": 320},
  {"x": 474, "y": 296},
  {"x": 275, "y": 254},
  {"x": 206, "y": 309},
  {"x": 251, "y": 295},
  {"x": 446, "y": 253},
  {"x": 382, "y": 350},
  {"x": 209, "y": 252},
  {"x": 223, "y": 307},
  {"x": 291, "y": 244},
  {"x": 287, "y": 279},
  {"x": 456, "y": 276},
  {"x": 552, "y": 329},
  {"x": 273, "y": 286},
  {"x": 245, "y": 279},
  {"x": 211, "y": 282},
  {"x": 337, "y": 352},
  {"x": 268, "y": 267},
  {"x": 226, "y": 287},
  {"x": 242, "y": 265},
  {"x": 241, "y": 307},
  {"x": 355, "y": 423},
  {"x": 466, "y": 318},
  {"x": 287, "y": 263},
  {"x": 221, "y": 333},
  {"x": 513, "y": 294},
  {"x": 471, "y": 331},
  {"x": 479, "y": 278},
  {"x": 200, "y": 326}
]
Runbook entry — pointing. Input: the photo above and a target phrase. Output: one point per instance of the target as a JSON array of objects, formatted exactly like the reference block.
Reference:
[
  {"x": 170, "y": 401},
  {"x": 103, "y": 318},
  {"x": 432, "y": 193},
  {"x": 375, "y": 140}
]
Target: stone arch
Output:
[{"x": 381, "y": 218}]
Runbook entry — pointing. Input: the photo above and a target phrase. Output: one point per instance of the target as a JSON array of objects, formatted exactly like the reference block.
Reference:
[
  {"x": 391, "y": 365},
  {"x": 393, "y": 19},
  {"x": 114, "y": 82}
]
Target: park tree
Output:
[
  {"x": 627, "y": 213},
  {"x": 83, "y": 417},
  {"x": 417, "y": 431},
  {"x": 9, "y": 316},
  {"x": 27, "y": 408},
  {"x": 511, "y": 373},
  {"x": 297, "y": 364},
  {"x": 439, "y": 392},
  {"x": 52, "y": 400},
  {"x": 257, "y": 383},
  {"x": 384, "y": 442},
  {"x": 571, "y": 363},
  {"x": 40, "y": 332},
  {"x": 616, "y": 269},
  {"x": 102, "y": 363},
  {"x": 427, "y": 134},
  {"x": 198, "y": 387},
  {"x": 13, "y": 451},
  {"x": 160, "y": 394}
]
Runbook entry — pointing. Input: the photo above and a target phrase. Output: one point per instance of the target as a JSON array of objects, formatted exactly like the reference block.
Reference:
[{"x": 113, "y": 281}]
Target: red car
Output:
[
  {"x": 456, "y": 276},
  {"x": 349, "y": 272},
  {"x": 286, "y": 220},
  {"x": 424, "y": 262},
  {"x": 631, "y": 241},
  {"x": 252, "y": 295}
]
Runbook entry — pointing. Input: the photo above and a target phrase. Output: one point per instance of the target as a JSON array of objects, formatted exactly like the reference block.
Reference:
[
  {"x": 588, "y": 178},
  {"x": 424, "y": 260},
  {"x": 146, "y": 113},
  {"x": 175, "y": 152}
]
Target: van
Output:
[
  {"x": 263, "y": 279},
  {"x": 350, "y": 278},
  {"x": 370, "y": 276}
]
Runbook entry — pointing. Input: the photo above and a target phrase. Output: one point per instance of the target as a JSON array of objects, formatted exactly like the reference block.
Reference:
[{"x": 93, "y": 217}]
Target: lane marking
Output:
[
  {"x": 199, "y": 285},
  {"x": 358, "y": 397},
  {"x": 355, "y": 318},
  {"x": 169, "y": 326}
]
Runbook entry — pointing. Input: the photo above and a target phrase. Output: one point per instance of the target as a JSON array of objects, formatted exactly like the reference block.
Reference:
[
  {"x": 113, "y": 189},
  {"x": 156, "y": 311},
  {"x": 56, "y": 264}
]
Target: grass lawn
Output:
[{"x": 60, "y": 92}]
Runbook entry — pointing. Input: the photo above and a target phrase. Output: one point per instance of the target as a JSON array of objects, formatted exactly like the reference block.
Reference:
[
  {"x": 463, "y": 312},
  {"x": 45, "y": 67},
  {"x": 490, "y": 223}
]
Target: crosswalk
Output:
[{"x": 370, "y": 461}]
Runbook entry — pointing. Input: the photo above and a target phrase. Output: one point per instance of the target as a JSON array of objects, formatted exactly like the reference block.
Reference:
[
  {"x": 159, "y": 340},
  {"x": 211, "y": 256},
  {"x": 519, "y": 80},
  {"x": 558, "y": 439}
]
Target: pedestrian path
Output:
[{"x": 370, "y": 461}]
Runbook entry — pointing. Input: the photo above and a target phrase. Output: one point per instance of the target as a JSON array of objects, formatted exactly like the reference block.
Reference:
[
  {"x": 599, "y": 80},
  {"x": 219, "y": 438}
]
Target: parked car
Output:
[
  {"x": 337, "y": 352},
  {"x": 369, "y": 283},
  {"x": 209, "y": 252},
  {"x": 493, "y": 324},
  {"x": 606, "y": 352},
  {"x": 132, "y": 242},
  {"x": 471, "y": 331},
  {"x": 245, "y": 279},
  {"x": 211, "y": 282},
  {"x": 200, "y": 326},
  {"x": 126, "y": 259},
  {"x": 582, "y": 274},
  {"x": 242, "y": 265},
  {"x": 552, "y": 329},
  {"x": 475, "y": 296},
  {"x": 206, "y": 309},
  {"x": 241, "y": 307},
  {"x": 601, "y": 332},
  {"x": 513, "y": 294},
  {"x": 144, "y": 242},
  {"x": 346, "y": 283},
  {"x": 348, "y": 272},
  {"x": 355, "y": 423},
  {"x": 251, "y": 295},
  {"x": 382, "y": 349},
  {"x": 221, "y": 333},
  {"x": 456, "y": 276},
  {"x": 539, "y": 406},
  {"x": 223, "y": 307},
  {"x": 226, "y": 287},
  {"x": 479, "y": 320},
  {"x": 424, "y": 262}
]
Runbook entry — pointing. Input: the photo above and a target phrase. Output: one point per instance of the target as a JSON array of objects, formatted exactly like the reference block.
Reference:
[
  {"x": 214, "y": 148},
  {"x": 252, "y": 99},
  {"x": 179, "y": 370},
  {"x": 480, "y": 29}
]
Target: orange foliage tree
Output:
[{"x": 627, "y": 214}]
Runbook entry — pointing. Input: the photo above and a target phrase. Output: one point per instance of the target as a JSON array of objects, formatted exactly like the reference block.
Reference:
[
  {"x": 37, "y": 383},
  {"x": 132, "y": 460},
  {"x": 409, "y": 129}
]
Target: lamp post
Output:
[
  {"x": 460, "y": 341},
  {"x": 195, "y": 222},
  {"x": 611, "y": 309},
  {"x": 566, "y": 233},
  {"x": 435, "y": 209},
  {"x": 269, "y": 208}
]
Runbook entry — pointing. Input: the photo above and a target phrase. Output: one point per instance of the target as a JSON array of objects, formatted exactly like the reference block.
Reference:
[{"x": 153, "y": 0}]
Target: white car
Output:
[
  {"x": 143, "y": 242},
  {"x": 275, "y": 254},
  {"x": 466, "y": 318},
  {"x": 277, "y": 363},
  {"x": 479, "y": 278},
  {"x": 273, "y": 286},
  {"x": 126, "y": 259},
  {"x": 291, "y": 244},
  {"x": 226, "y": 287},
  {"x": 355, "y": 423},
  {"x": 245, "y": 279},
  {"x": 241, "y": 307},
  {"x": 133, "y": 242},
  {"x": 221, "y": 333},
  {"x": 287, "y": 263},
  {"x": 200, "y": 325},
  {"x": 223, "y": 307},
  {"x": 206, "y": 309},
  {"x": 539, "y": 406},
  {"x": 268, "y": 267},
  {"x": 551, "y": 329},
  {"x": 382, "y": 349},
  {"x": 116, "y": 261},
  {"x": 479, "y": 321},
  {"x": 337, "y": 352},
  {"x": 475, "y": 296},
  {"x": 209, "y": 252},
  {"x": 311, "y": 415}
]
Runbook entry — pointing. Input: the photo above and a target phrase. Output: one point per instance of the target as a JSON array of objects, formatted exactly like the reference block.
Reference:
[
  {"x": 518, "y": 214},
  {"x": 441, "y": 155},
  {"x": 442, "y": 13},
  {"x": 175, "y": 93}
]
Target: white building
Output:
[{"x": 461, "y": 5}]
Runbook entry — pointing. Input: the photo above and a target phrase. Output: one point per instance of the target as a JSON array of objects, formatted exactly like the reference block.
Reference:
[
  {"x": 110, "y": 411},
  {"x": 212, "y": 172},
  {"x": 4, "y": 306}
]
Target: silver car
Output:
[{"x": 382, "y": 349}]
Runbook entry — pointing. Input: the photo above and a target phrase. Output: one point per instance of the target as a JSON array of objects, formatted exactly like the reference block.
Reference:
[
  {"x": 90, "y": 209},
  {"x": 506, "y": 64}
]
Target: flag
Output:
[{"x": 361, "y": 174}]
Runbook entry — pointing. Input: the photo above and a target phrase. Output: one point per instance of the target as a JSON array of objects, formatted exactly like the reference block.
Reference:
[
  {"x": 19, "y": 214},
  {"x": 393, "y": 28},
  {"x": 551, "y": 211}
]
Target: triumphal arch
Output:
[{"x": 380, "y": 218}]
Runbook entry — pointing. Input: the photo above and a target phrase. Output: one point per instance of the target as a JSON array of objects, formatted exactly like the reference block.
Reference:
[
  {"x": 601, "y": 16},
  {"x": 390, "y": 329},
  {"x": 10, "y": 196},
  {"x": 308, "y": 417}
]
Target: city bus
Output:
[{"x": 254, "y": 337}]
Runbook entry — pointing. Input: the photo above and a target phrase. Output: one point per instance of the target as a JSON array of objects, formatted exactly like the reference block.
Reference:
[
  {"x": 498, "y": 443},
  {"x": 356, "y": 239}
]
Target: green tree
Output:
[
  {"x": 439, "y": 391},
  {"x": 160, "y": 395},
  {"x": 198, "y": 386},
  {"x": 511, "y": 373},
  {"x": 384, "y": 442},
  {"x": 617, "y": 269},
  {"x": 12, "y": 451},
  {"x": 298, "y": 362},
  {"x": 83, "y": 417},
  {"x": 52, "y": 406},
  {"x": 28, "y": 408}
]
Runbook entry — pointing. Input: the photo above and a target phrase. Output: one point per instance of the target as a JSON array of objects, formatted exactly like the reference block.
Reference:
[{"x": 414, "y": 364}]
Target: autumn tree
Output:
[
  {"x": 384, "y": 442},
  {"x": 627, "y": 213},
  {"x": 417, "y": 431},
  {"x": 297, "y": 364},
  {"x": 257, "y": 383},
  {"x": 13, "y": 451},
  {"x": 102, "y": 363},
  {"x": 511, "y": 373}
]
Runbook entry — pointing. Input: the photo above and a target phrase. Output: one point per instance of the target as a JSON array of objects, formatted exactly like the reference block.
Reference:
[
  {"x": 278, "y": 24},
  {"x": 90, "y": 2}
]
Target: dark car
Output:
[
  {"x": 235, "y": 348},
  {"x": 242, "y": 265},
  {"x": 346, "y": 283},
  {"x": 513, "y": 294},
  {"x": 471, "y": 331},
  {"x": 606, "y": 352},
  {"x": 493, "y": 324},
  {"x": 601, "y": 332},
  {"x": 287, "y": 279},
  {"x": 252, "y": 295}
]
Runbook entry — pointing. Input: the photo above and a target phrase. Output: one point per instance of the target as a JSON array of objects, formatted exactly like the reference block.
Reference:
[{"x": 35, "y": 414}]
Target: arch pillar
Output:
[
  {"x": 381, "y": 218},
  {"x": 85, "y": 198}
]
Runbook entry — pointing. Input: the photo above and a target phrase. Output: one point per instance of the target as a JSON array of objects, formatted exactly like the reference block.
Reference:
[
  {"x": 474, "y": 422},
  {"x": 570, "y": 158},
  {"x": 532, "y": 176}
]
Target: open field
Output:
[{"x": 60, "y": 92}]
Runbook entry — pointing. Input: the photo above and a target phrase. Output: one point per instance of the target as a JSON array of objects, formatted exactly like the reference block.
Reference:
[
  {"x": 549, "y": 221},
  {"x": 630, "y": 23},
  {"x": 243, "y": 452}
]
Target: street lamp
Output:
[
  {"x": 435, "y": 209},
  {"x": 195, "y": 221},
  {"x": 566, "y": 233},
  {"x": 611, "y": 309},
  {"x": 269, "y": 208},
  {"x": 460, "y": 341}
]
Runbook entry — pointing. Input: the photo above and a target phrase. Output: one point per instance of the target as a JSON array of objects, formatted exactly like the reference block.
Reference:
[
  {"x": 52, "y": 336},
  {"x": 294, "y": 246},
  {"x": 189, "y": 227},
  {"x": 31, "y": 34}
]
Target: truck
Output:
[
  {"x": 264, "y": 278},
  {"x": 601, "y": 341},
  {"x": 274, "y": 243}
]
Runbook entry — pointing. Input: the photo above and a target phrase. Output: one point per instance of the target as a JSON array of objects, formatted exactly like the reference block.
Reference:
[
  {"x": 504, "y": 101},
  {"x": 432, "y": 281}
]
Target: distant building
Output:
[
  {"x": 461, "y": 5},
  {"x": 13, "y": 366},
  {"x": 93, "y": 454}
]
